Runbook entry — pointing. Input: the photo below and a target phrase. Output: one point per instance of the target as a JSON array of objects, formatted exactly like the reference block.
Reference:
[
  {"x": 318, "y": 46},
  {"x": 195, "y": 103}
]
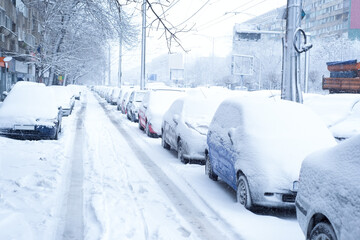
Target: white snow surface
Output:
[{"x": 340, "y": 112}]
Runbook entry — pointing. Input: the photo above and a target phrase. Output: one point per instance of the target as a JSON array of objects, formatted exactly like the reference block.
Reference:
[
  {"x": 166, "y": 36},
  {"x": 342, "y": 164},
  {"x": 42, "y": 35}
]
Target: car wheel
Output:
[
  {"x": 323, "y": 231},
  {"x": 141, "y": 127},
  {"x": 209, "y": 169},
  {"x": 180, "y": 152},
  {"x": 243, "y": 192},
  {"x": 163, "y": 142}
]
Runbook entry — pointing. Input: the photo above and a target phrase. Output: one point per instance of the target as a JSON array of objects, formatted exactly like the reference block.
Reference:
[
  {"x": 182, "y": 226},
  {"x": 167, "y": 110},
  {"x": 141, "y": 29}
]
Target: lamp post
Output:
[{"x": 143, "y": 46}]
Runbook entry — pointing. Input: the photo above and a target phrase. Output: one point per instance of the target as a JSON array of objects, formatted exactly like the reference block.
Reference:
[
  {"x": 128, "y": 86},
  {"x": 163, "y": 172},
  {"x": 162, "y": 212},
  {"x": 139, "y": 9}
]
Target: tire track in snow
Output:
[
  {"x": 74, "y": 224},
  {"x": 201, "y": 226},
  {"x": 111, "y": 187}
]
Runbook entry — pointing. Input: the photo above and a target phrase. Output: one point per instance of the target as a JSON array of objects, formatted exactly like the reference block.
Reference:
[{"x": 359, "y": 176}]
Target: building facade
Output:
[
  {"x": 323, "y": 18},
  {"x": 19, "y": 39}
]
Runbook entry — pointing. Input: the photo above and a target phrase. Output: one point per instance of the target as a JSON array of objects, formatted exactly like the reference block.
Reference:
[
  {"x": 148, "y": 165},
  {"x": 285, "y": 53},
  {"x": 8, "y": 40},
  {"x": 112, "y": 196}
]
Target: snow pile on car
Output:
[
  {"x": 275, "y": 137},
  {"x": 28, "y": 101},
  {"x": 329, "y": 181}
]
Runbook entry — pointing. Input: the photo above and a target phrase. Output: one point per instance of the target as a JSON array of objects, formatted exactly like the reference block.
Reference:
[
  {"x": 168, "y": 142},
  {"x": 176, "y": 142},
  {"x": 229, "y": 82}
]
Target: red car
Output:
[{"x": 154, "y": 105}]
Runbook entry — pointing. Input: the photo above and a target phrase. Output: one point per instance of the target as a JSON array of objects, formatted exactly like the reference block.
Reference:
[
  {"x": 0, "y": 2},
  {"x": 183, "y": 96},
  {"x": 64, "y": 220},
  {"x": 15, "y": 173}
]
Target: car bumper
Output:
[{"x": 37, "y": 133}]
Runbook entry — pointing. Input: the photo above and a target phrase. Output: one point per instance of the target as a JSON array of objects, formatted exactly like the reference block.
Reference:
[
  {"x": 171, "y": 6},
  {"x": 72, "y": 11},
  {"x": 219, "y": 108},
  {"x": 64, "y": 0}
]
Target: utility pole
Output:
[
  {"x": 109, "y": 77},
  {"x": 120, "y": 52},
  {"x": 120, "y": 61},
  {"x": 143, "y": 46},
  {"x": 290, "y": 89}
]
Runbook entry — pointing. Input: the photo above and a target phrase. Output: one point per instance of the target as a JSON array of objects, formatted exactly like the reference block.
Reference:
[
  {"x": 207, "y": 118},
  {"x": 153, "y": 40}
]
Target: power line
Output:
[
  {"x": 194, "y": 13},
  {"x": 215, "y": 21}
]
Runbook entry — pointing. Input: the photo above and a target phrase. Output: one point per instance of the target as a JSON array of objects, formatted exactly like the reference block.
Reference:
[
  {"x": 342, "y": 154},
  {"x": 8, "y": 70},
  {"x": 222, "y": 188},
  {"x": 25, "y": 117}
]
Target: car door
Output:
[
  {"x": 221, "y": 148},
  {"x": 170, "y": 124},
  {"x": 142, "y": 110}
]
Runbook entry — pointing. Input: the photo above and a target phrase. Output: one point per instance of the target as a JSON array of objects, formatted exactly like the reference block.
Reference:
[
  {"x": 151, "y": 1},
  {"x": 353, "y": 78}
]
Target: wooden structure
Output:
[{"x": 344, "y": 77}]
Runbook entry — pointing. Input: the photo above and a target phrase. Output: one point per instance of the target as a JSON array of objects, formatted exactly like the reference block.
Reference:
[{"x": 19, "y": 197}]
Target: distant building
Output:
[
  {"x": 19, "y": 38},
  {"x": 323, "y": 18}
]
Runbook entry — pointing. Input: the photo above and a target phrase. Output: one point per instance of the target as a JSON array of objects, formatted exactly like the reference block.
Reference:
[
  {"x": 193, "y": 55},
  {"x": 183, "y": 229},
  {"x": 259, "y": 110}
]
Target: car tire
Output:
[
  {"x": 243, "y": 195},
  {"x": 323, "y": 231},
  {"x": 163, "y": 142},
  {"x": 209, "y": 170},
  {"x": 140, "y": 127},
  {"x": 180, "y": 153}
]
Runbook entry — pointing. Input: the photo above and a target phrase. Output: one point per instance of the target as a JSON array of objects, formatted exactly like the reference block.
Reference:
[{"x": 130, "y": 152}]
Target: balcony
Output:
[
  {"x": 26, "y": 40},
  {"x": 5, "y": 27}
]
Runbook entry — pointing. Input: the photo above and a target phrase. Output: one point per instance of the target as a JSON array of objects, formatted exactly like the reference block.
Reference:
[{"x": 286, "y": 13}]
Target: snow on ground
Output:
[
  {"x": 121, "y": 199},
  {"x": 32, "y": 184}
]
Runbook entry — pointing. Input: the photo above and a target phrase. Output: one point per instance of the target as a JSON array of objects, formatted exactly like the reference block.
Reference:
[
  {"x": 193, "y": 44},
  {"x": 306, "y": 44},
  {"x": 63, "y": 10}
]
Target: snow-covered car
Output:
[
  {"x": 340, "y": 112},
  {"x": 30, "y": 112},
  {"x": 125, "y": 101},
  {"x": 134, "y": 103},
  {"x": 76, "y": 89},
  {"x": 185, "y": 126},
  {"x": 64, "y": 99},
  {"x": 120, "y": 99},
  {"x": 257, "y": 145},
  {"x": 153, "y": 107},
  {"x": 328, "y": 200},
  {"x": 114, "y": 95}
]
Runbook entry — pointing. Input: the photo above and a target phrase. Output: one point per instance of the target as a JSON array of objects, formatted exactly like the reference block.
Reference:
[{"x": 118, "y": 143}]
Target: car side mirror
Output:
[
  {"x": 176, "y": 118},
  {"x": 231, "y": 134},
  {"x": 4, "y": 94}
]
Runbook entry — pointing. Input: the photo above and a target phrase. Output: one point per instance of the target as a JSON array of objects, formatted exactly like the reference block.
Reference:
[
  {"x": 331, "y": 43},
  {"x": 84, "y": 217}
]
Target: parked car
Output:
[
  {"x": 328, "y": 203},
  {"x": 185, "y": 126},
  {"x": 125, "y": 101},
  {"x": 257, "y": 145},
  {"x": 30, "y": 112},
  {"x": 135, "y": 100},
  {"x": 114, "y": 96},
  {"x": 120, "y": 99},
  {"x": 64, "y": 98},
  {"x": 155, "y": 104},
  {"x": 76, "y": 89}
]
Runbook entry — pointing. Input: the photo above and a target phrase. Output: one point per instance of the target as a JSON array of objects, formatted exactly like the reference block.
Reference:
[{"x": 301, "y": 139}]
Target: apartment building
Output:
[
  {"x": 19, "y": 38},
  {"x": 323, "y": 18}
]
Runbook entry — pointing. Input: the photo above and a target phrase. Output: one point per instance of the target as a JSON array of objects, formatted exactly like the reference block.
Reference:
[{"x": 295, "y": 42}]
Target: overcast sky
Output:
[{"x": 211, "y": 23}]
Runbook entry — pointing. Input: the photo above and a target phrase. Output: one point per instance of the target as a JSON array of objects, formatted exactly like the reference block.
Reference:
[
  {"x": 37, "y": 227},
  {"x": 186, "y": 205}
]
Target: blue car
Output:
[
  {"x": 30, "y": 112},
  {"x": 256, "y": 145}
]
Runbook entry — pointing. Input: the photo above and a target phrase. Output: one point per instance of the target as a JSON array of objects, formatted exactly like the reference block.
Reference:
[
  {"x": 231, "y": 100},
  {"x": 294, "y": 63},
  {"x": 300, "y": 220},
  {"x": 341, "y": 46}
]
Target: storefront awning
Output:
[{"x": 2, "y": 63}]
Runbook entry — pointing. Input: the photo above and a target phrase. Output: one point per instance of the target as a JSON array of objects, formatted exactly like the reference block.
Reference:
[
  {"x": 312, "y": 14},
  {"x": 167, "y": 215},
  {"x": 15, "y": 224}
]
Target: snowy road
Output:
[{"x": 105, "y": 179}]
